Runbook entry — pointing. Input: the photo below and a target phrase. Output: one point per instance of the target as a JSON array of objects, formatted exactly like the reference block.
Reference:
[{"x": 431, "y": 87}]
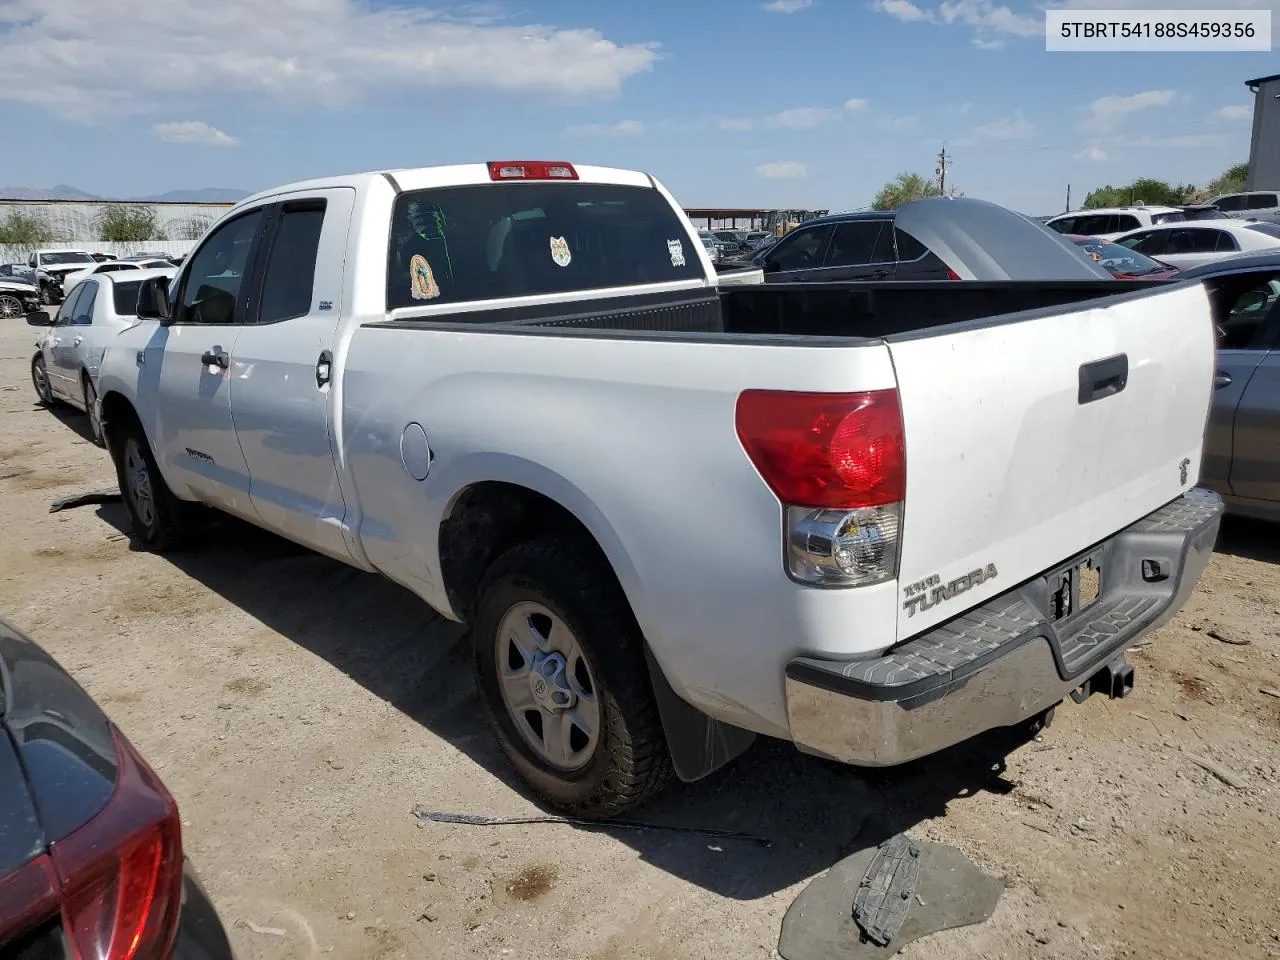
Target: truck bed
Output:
[{"x": 852, "y": 310}]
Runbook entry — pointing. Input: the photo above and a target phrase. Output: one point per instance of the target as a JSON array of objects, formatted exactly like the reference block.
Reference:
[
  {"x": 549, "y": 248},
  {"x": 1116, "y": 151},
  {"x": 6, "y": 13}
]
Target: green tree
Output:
[
  {"x": 24, "y": 230},
  {"x": 1230, "y": 180},
  {"x": 903, "y": 189},
  {"x": 129, "y": 224},
  {"x": 1143, "y": 190}
]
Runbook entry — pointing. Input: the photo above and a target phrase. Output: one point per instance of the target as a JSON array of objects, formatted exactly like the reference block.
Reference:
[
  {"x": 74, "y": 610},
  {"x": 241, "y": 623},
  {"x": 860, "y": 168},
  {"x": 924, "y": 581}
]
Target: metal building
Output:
[{"x": 1264, "y": 151}]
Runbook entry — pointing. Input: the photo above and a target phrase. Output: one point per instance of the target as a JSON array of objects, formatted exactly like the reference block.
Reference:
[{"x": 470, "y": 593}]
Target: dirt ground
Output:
[{"x": 299, "y": 711}]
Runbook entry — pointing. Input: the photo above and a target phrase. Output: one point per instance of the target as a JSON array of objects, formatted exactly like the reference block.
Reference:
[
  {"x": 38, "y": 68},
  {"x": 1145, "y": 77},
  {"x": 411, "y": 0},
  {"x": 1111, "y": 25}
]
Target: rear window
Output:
[
  {"x": 125, "y": 298},
  {"x": 455, "y": 244}
]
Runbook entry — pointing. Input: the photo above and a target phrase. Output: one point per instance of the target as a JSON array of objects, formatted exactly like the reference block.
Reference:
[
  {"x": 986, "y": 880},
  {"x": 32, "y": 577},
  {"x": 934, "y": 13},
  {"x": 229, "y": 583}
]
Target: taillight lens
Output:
[
  {"x": 837, "y": 462},
  {"x": 116, "y": 881}
]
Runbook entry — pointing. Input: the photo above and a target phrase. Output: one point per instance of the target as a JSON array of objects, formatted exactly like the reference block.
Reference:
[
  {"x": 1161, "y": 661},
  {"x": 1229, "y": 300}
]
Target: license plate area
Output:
[{"x": 1075, "y": 588}]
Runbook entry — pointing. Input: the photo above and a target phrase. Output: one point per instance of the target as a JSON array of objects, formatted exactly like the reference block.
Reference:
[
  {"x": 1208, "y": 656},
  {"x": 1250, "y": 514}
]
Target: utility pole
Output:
[
  {"x": 1068, "y": 209},
  {"x": 943, "y": 160}
]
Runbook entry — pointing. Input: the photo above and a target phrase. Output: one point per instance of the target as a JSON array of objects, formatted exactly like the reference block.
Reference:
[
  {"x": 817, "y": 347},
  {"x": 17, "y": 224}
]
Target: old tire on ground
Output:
[
  {"x": 563, "y": 681},
  {"x": 160, "y": 520},
  {"x": 91, "y": 408},
  {"x": 40, "y": 380}
]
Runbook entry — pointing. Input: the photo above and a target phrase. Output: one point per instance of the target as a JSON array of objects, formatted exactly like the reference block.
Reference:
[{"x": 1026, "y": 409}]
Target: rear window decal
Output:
[
  {"x": 676, "y": 249},
  {"x": 422, "y": 282},
  {"x": 560, "y": 251}
]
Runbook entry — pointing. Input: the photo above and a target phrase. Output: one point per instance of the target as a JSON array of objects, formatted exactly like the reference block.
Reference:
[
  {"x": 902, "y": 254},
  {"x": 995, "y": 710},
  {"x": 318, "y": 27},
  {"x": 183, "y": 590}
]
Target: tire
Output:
[
  {"x": 91, "y": 408},
  {"x": 11, "y": 307},
  {"x": 161, "y": 521},
  {"x": 550, "y": 586},
  {"x": 40, "y": 380}
]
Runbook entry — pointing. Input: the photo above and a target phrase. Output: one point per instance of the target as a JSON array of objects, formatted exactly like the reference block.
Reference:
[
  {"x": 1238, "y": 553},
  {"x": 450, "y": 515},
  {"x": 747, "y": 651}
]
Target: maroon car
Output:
[{"x": 1121, "y": 262}]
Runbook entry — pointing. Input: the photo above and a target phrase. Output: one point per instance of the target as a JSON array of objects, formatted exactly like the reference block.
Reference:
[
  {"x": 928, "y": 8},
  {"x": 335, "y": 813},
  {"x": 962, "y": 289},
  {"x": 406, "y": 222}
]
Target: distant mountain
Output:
[{"x": 64, "y": 192}]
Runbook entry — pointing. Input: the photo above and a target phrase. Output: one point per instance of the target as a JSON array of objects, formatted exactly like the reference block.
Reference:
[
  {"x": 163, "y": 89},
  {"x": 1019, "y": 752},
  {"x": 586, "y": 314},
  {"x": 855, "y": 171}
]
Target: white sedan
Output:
[
  {"x": 70, "y": 348},
  {"x": 1194, "y": 243},
  {"x": 114, "y": 266}
]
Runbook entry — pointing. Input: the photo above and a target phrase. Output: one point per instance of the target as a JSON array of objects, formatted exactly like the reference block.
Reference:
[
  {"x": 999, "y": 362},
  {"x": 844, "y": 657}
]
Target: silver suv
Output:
[{"x": 1254, "y": 205}]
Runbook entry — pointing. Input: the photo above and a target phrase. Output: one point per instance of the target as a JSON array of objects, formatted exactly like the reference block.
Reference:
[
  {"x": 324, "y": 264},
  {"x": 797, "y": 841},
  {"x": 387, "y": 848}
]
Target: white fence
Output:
[{"x": 13, "y": 253}]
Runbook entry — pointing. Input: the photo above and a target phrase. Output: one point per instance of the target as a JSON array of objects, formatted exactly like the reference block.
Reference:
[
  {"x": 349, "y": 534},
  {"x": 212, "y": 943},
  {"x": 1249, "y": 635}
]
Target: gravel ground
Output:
[{"x": 299, "y": 710}]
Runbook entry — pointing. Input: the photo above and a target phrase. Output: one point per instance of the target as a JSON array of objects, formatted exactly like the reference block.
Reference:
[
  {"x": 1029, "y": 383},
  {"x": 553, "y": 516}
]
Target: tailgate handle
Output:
[{"x": 1103, "y": 378}]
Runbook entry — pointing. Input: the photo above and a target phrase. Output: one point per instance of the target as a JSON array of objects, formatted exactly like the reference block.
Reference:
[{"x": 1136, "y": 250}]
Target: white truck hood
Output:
[{"x": 983, "y": 241}]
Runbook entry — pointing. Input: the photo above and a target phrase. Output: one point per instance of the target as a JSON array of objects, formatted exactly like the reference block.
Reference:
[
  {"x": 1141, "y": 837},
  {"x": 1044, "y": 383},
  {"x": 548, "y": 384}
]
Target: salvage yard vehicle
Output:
[
  {"x": 52, "y": 265},
  {"x": 874, "y": 519},
  {"x": 69, "y": 352},
  {"x": 18, "y": 296},
  {"x": 91, "y": 858}
]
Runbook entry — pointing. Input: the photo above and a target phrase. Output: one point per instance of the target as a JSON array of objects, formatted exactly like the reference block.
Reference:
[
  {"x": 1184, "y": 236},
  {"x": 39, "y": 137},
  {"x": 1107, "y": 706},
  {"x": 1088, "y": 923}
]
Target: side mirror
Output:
[
  {"x": 39, "y": 318},
  {"x": 153, "y": 300}
]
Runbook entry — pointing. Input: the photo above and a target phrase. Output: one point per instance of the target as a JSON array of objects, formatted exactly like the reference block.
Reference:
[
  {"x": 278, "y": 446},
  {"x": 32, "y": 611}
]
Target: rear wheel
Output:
[
  {"x": 40, "y": 380},
  {"x": 160, "y": 520},
  {"x": 563, "y": 680}
]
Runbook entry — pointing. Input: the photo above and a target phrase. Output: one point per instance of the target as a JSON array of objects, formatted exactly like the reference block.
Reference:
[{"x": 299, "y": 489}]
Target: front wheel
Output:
[
  {"x": 563, "y": 681},
  {"x": 10, "y": 307},
  {"x": 40, "y": 380},
  {"x": 160, "y": 520}
]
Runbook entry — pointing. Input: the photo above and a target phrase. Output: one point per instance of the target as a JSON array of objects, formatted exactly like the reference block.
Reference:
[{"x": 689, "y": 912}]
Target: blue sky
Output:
[{"x": 729, "y": 102}]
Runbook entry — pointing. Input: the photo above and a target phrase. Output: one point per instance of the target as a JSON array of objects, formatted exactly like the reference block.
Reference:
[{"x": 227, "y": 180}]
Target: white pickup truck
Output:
[{"x": 872, "y": 519}]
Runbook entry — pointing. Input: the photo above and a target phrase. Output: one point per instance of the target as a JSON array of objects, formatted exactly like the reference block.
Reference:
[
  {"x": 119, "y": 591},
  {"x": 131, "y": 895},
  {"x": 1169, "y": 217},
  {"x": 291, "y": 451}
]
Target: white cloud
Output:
[
  {"x": 805, "y": 118},
  {"x": 623, "y": 128},
  {"x": 735, "y": 123},
  {"x": 193, "y": 131},
  {"x": 855, "y": 104},
  {"x": 988, "y": 18},
  {"x": 903, "y": 10},
  {"x": 1094, "y": 154},
  {"x": 781, "y": 170},
  {"x": 786, "y": 6},
  {"x": 332, "y": 53},
  {"x": 1109, "y": 113},
  {"x": 1017, "y": 127},
  {"x": 1232, "y": 114}
]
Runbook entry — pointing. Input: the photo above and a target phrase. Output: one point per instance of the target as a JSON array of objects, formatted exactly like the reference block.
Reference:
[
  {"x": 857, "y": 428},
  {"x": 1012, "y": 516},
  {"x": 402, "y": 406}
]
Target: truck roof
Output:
[{"x": 453, "y": 175}]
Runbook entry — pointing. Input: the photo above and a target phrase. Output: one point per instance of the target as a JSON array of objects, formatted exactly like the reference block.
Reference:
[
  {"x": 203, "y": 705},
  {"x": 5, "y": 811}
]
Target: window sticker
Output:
[
  {"x": 676, "y": 249},
  {"x": 422, "y": 282},
  {"x": 560, "y": 251}
]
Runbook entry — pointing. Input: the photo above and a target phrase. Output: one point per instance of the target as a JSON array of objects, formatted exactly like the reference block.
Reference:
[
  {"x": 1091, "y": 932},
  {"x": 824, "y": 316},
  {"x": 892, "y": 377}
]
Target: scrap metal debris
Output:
[
  {"x": 1223, "y": 638},
  {"x": 475, "y": 820},
  {"x": 884, "y": 896},
  {"x": 110, "y": 495},
  {"x": 1269, "y": 692},
  {"x": 1219, "y": 771}
]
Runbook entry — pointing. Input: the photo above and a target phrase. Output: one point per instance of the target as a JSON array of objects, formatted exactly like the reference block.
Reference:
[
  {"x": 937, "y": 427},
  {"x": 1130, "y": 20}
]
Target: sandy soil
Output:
[{"x": 299, "y": 711}]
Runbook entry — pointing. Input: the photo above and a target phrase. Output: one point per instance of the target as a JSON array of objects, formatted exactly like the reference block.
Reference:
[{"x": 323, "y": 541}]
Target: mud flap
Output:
[{"x": 698, "y": 744}]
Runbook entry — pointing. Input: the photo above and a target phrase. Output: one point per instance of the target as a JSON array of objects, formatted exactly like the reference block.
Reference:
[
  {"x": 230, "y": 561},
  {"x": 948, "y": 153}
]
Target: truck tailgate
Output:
[{"x": 1030, "y": 439}]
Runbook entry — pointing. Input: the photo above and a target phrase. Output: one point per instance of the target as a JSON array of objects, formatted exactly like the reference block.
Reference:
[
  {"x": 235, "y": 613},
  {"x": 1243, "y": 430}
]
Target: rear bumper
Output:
[{"x": 1007, "y": 660}]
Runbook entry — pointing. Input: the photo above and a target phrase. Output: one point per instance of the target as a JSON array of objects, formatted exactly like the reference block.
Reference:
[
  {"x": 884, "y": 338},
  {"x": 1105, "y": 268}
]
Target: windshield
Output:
[
  {"x": 1116, "y": 259},
  {"x": 53, "y": 259},
  {"x": 454, "y": 244}
]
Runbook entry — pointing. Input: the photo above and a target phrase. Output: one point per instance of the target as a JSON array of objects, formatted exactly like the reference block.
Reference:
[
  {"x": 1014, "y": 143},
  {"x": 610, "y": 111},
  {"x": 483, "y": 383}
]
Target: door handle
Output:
[
  {"x": 1103, "y": 378},
  {"x": 879, "y": 274},
  {"x": 77, "y": 341},
  {"x": 324, "y": 368},
  {"x": 215, "y": 358},
  {"x": 1221, "y": 380}
]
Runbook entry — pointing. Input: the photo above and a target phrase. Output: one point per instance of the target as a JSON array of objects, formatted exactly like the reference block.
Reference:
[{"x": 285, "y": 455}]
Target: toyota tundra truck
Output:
[{"x": 874, "y": 519}]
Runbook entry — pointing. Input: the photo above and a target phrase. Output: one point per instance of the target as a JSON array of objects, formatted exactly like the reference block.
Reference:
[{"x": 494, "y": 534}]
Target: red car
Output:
[{"x": 1121, "y": 262}]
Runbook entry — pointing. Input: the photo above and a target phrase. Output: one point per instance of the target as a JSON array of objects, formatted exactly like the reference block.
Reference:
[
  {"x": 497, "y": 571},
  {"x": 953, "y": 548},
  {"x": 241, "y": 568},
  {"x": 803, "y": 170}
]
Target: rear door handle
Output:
[
  {"x": 215, "y": 358},
  {"x": 1103, "y": 378},
  {"x": 1221, "y": 380}
]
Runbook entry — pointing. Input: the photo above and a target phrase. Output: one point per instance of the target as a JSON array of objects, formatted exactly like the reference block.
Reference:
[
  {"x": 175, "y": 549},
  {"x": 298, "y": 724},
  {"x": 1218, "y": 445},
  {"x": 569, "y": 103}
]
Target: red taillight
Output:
[
  {"x": 952, "y": 275},
  {"x": 117, "y": 880},
  {"x": 531, "y": 170},
  {"x": 827, "y": 450}
]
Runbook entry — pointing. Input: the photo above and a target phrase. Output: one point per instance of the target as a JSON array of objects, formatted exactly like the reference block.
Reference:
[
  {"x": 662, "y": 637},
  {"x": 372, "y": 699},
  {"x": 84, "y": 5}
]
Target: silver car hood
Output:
[
  {"x": 983, "y": 241},
  {"x": 9, "y": 283}
]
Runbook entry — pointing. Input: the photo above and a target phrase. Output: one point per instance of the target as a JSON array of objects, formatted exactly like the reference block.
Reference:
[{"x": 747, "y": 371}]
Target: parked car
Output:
[
  {"x": 849, "y": 246},
  {"x": 101, "y": 257},
  {"x": 19, "y": 293},
  {"x": 1194, "y": 244},
  {"x": 1242, "y": 442},
  {"x": 69, "y": 351},
  {"x": 514, "y": 389},
  {"x": 115, "y": 266},
  {"x": 711, "y": 245},
  {"x": 1256, "y": 205},
  {"x": 1109, "y": 223},
  {"x": 52, "y": 265},
  {"x": 733, "y": 239},
  {"x": 1121, "y": 262},
  {"x": 91, "y": 856}
]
